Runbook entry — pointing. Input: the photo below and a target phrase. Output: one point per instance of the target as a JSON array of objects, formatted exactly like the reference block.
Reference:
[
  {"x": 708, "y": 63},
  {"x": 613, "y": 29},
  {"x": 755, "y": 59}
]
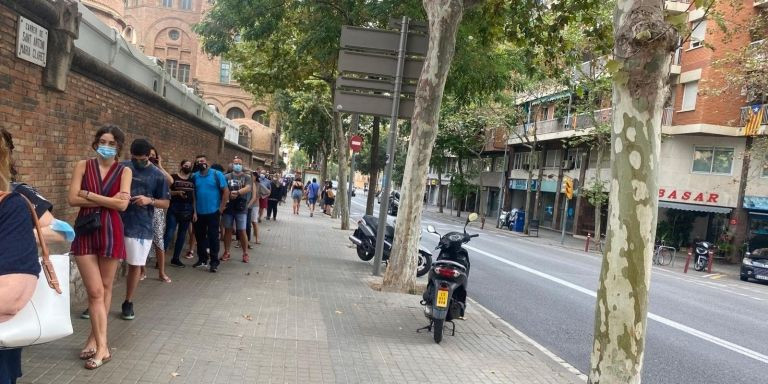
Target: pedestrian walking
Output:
[
  {"x": 297, "y": 191},
  {"x": 210, "y": 198},
  {"x": 313, "y": 189},
  {"x": 149, "y": 190},
  {"x": 181, "y": 211},
  {"x": 235, "y": 214},
  {"x": 100, "y": 187},
  {"x": 275, "y": 195},
  {"x": 159, "y": 221},
  {"x": 329, "y": 197}
]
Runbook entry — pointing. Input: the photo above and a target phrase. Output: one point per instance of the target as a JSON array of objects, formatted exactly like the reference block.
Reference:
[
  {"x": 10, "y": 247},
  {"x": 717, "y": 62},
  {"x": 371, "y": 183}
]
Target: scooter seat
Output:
[{"x": 373, "y": 222}]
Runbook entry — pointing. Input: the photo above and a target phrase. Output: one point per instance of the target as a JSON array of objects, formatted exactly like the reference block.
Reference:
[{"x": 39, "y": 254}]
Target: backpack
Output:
[{"x": 330, "y": 193}]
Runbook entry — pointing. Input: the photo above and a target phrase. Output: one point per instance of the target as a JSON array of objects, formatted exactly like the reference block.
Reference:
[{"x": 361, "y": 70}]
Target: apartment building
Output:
[{"x": 703, "y": 179}]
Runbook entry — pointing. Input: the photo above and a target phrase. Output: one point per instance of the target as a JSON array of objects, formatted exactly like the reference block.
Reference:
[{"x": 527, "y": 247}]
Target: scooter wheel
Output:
[
  {"x": 424, "y": 264},
  {"x": 363, "y": 254},
  {"x": 437, "y": 329}
]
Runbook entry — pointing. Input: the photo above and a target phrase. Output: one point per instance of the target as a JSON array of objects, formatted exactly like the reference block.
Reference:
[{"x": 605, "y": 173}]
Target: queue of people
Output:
[{"x": 127, "y": 209}]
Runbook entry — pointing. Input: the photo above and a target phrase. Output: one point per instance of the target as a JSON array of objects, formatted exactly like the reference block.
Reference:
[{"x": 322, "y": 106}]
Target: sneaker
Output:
[
  {"x": 199, "y": 264},
  {"x": 85, "y": 315},
  {"x": 213, "y": 269},
  {"x": 128, "y": 311},
  {"x": 237, "y": 245},
  {"x": 177, "y": 263}
]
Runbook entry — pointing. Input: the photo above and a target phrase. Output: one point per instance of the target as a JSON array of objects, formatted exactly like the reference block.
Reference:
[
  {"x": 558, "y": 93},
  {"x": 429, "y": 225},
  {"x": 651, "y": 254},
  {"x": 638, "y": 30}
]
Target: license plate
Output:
[
  {"x": 442, "y": 299},
  {"x": 761, "y": 277}
]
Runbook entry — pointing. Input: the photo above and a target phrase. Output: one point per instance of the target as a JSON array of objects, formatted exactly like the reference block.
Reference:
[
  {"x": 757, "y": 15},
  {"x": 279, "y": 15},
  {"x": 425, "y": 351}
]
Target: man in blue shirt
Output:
[
  {"x": 211, "y": 198},
  {"x": 312, "y": 192},
  {"x": 149, "y": 190}
]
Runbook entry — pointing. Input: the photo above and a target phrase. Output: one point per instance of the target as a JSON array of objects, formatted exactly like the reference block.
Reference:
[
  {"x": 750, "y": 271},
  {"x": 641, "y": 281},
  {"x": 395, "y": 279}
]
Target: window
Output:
[
  {"x": 168, "y": 3},
  {"x": 520, "y": 160},
  {"x": 712, "y": 160},
  {"x": 185, "y": 4},
  {"x": 260, "y": 117},
  {"x": 224, "y": 72},
  {"x": 699, "y": 30},
  {"x": 235, "y": 113},
  {"x": 244, "y": 138},
  {"x": 183, "y": 73},
  {"x": 172, "y": 66},
  {"x": 690, "y": 92},
  {"x": 553, "y": 158},
  {"x": 174, "y": 34},
  {"x": 574, "y": 155}
]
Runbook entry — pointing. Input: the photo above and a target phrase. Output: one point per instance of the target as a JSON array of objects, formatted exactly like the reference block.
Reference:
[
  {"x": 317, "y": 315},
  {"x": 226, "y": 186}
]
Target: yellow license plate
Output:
[{"x": 442, "y": 299}]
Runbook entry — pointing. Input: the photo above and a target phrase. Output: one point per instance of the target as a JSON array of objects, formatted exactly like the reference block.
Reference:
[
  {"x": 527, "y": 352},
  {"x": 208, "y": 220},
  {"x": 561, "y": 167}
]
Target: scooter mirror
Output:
[
  {"x": 472, "y": 217},
  {"x": 431, "y": 229}
]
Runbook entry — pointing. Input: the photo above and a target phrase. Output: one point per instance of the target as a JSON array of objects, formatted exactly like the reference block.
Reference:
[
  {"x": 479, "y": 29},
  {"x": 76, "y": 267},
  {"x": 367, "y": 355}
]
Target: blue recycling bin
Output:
[{"x": 520, "y": 221}]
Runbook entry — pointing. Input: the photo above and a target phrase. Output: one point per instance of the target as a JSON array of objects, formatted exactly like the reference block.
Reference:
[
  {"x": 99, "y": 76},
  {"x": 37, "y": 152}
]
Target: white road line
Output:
[{"x": 671, "y": 323}]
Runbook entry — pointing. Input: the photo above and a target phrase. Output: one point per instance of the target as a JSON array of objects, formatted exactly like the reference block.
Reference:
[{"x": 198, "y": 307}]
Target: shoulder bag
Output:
[{"x": 46, "y": 317}]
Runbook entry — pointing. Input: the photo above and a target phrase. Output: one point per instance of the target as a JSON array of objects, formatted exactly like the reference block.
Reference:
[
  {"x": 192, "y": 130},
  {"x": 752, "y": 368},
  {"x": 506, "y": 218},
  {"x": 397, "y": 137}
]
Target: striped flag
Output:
[{"x": 755, "y": 120}]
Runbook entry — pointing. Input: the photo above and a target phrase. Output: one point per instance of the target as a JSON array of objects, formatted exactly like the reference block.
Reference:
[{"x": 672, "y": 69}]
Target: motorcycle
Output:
[
  {"x": 364, "y": 238},
  {"x": 445, "y": 297},
  {"x": 703, "y": 250}
]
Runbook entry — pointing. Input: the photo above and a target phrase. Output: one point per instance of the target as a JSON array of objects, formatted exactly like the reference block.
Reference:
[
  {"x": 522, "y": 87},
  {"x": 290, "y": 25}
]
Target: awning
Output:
[
  {"x": 756, "y": 202},
  {"x": 694, "y": 207},
  {"x": 556, "y": 96}
]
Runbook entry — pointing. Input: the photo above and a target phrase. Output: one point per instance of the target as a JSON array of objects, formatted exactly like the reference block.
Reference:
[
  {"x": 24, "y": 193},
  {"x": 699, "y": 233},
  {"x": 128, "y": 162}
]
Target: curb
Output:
[{"x": 535, "y": 344}]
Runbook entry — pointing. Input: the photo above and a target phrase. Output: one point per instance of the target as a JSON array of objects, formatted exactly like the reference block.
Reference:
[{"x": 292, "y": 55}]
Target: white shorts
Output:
[{"x": 137, "y": 251}]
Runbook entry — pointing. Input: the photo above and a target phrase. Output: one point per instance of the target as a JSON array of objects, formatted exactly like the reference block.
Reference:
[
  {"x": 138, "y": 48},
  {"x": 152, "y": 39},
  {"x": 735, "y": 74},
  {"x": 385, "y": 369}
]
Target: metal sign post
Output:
[
  {"x": 352, "y": 132},
  {"x": 565, "y": 216},
  {"x": 385, "y": 190}
]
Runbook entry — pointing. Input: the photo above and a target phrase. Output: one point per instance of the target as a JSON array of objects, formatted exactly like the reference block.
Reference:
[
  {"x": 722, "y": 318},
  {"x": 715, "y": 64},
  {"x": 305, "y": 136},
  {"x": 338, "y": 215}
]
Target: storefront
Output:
[
  {"x": 757, "y": 233},
  {"x": 518, "y": 188},
  {"x": 689, "y": 215}
]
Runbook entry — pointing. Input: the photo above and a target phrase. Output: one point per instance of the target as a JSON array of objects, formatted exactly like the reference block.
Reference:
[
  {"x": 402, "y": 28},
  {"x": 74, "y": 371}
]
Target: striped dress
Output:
[{"x": 107, "y": 241}]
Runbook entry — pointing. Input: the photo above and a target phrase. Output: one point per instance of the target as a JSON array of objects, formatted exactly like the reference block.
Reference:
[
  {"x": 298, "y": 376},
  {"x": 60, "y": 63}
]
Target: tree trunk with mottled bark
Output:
[
  {"x": 643, "y": 46},
  {"x": 374, "y": 176},
  {"x": 444, "y": 18},
  {"x": 598, "y": 203},
  {"x": 341, "y": 205}
]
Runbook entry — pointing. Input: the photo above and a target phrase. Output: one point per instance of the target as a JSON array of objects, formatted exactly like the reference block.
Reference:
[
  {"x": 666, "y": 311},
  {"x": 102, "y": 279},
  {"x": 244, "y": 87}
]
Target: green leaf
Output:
[
  {"x": 679, "y": 21},
  {"x": 613, "y": 66}
]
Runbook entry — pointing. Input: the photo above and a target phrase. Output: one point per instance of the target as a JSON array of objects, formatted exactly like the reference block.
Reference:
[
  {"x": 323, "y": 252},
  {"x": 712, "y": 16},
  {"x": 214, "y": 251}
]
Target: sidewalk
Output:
[
  {"x": 300, "y": 312},
  {"x": 552, "y": 238}
]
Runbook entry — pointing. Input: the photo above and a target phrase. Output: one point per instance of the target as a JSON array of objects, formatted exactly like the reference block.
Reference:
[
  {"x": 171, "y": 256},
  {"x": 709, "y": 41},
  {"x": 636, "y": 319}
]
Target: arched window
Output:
[
  {"x": 244, "y": 138},
  {"x": 261, "y": 117},
  {"x": 235, "y": 113}
]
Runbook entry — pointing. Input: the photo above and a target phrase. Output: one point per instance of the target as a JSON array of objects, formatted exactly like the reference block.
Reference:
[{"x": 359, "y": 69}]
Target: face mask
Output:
[
  {"x": 203, "y": 166},
  {"x": 106, "y": 152},
  {"x": 153, "y": 160},
  {"x": 186, "y": 169},
  {"x": 140, "y": 163},
  {"x": 237, "y": 168}
]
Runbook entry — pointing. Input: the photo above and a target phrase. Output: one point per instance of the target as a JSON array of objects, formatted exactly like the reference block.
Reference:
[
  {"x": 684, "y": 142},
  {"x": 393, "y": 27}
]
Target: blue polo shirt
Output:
[
  {"x": 313, "y": 189},
  {"x": 208, "y": 189}
]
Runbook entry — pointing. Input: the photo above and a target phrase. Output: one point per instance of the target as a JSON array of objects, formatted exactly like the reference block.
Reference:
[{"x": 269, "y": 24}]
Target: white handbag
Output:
[{"x": 46, "y": 317}]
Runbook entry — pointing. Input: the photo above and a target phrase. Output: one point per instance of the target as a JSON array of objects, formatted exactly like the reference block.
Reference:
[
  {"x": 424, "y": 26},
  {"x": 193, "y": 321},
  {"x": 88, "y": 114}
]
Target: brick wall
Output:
[{"x": 53, "y": 130}]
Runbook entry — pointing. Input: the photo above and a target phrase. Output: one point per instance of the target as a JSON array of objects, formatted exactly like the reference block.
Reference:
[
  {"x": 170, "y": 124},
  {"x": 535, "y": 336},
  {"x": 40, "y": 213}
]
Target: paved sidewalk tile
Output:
[{"x": 301, "y": 312}]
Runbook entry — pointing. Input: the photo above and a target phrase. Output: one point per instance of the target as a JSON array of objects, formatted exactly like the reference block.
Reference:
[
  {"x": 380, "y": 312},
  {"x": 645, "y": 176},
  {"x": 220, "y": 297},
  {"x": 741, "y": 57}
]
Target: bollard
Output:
[
  {"x": 687, "y": 261},
  {"x": 482, "y": 222},
  {"x": 709, "y": 261},
  {"x": 586, "y": 247}
]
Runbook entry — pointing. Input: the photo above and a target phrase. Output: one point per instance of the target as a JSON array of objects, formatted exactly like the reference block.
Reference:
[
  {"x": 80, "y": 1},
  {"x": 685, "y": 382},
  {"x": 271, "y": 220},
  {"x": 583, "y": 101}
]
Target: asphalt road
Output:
[{"x": 699, "y": 330}]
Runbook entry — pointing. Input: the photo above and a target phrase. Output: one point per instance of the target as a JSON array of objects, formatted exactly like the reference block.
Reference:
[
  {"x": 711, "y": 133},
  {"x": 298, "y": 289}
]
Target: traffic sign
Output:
[
  {"x": 356, "y": 143},
  {"x": 568, "y": 187}
]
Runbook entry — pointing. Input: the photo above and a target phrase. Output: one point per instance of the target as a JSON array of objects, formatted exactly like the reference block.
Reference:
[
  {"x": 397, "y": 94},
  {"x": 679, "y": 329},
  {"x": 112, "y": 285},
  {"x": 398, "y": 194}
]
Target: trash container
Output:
[{"x": 520, "y": 221}]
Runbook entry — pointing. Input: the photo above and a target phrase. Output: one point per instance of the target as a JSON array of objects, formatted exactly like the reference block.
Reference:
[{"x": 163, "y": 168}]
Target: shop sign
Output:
[
  {"x": 670, "y": 194},
  {"x": 522, "y": 184}
]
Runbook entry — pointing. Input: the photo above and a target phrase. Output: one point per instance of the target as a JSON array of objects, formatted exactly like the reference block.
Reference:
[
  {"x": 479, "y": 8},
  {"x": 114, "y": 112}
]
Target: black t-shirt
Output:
[
  {"x": 180, "y": 184},
  {"x": 20, "y": 254},
  {"x": 38, "y": 201},
  {"x": 234, "y": 183}
]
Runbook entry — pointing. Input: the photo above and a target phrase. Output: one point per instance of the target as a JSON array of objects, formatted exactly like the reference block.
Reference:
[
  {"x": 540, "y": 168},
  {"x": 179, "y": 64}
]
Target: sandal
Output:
[
  {"x": 226, "y": 256},
  {"x": 87, "y": 354},
  {"x": 165, "y": 279},
  {"x": 143, "y": 276},
  {"x": 245, "y": 257},
  {"x": 189, "y": 255},
  {"x": 92, "y": 364}
]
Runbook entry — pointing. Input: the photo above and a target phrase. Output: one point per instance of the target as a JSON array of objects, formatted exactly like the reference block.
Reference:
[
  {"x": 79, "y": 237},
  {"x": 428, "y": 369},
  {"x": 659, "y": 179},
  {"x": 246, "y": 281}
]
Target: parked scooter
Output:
[
  {"x": 365, "y": 240},
  {"x": 446, "y": 294},
  {"x": 703, "y": 250}
]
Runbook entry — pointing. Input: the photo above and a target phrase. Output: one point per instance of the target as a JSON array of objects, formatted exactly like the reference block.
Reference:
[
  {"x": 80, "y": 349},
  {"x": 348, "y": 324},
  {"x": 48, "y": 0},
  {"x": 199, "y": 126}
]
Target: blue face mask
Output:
[
  {"x": 106, "y": 152},
  {"x": 237, "y": 168},
  {"x": 64, "y": 228}
]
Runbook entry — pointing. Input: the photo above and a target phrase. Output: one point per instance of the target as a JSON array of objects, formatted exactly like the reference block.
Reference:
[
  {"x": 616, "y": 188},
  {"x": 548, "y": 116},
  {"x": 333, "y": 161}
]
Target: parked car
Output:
[{"x": 755, "y": 265}]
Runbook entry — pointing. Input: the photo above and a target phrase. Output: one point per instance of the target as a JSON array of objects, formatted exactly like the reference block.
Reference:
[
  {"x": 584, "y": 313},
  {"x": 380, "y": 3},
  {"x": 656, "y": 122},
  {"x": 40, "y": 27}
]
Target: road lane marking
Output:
[{"x": 663, "y": 320}]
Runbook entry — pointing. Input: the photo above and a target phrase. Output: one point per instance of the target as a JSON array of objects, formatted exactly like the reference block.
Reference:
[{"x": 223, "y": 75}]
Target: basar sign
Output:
[{"x": 682, "y": 195}]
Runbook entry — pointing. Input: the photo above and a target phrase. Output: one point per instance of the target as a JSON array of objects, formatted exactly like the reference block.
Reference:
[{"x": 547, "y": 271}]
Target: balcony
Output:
[
  {"x": 761, "y": 3},
  {"x": 677, "y": 57},
  {"x": 681, "y": 6},
  {"x": 745, "y": 115},
  {"x": 578, "y": 122}
]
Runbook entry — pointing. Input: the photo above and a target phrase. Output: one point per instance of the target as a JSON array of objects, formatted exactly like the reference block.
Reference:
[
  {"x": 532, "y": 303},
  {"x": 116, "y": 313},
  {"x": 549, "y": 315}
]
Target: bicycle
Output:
[{"x": 663, "y": 255}]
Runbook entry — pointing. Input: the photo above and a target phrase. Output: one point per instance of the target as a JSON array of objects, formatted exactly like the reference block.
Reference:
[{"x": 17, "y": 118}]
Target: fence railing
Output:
[{"x": 583, "y": 121}]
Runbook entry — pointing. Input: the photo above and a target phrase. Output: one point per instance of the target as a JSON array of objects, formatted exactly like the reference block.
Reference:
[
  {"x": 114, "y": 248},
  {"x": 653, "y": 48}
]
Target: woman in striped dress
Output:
[{"x": 101, "y": 187}]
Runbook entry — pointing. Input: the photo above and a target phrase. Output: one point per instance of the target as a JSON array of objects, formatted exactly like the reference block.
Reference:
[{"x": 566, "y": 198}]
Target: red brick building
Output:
[{"x": 163, "y": 29}]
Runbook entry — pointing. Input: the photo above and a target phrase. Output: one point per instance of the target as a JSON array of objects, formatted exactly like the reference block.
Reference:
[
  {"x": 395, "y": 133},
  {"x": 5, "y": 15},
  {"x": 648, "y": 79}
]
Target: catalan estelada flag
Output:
[{"x": 754, "y": 120}]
